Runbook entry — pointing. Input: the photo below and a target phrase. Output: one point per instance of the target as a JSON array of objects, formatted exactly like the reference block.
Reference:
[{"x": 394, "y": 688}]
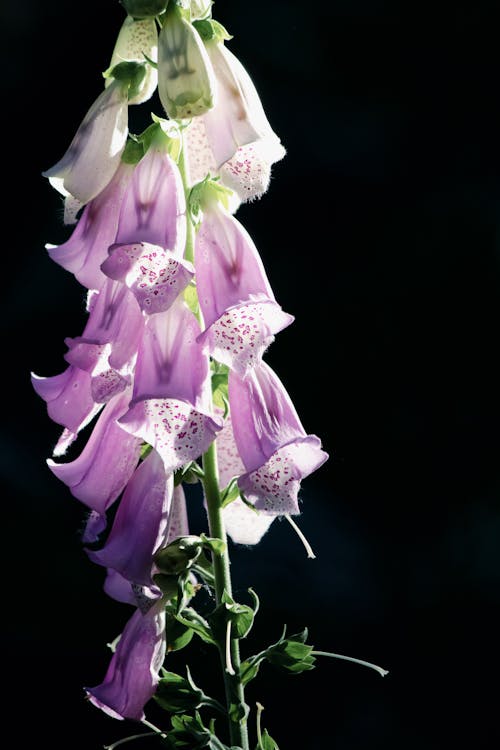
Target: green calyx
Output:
[
  {"x": 130, "y": 74},
  {"x": 205, "y": 194},
  {"x": 211, "y": 30},
  {"x": 140, "y": 9},
  {"x": 163, "y": 135}
]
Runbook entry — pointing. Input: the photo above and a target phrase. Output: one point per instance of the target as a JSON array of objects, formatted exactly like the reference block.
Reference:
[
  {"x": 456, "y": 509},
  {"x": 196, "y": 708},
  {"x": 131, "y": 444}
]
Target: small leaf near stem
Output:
[
  {"x": 382, "y": 672},
  {"x": 310, "y": 553}
]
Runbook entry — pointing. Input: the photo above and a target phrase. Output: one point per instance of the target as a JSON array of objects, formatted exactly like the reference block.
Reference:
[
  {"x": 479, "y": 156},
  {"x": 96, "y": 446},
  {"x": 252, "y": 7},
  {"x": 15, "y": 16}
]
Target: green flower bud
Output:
[
  {"x": 186, "y": 80},
  {"x": 144, "y": 8},
  {"x": 178, "y": 555},
  {"x": 138, "y": 41}
]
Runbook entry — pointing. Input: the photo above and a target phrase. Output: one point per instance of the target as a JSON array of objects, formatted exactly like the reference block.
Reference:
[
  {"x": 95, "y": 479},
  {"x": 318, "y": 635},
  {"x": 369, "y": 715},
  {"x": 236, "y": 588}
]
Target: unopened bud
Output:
[
  {"x": 144, "y": 8},
  {"x": 178, "y": 555},
  {"x": 186, "y": 81}
]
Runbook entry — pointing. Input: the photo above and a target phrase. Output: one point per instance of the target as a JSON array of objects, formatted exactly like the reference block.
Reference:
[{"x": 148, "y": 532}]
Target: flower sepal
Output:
[
  {"x": 130, "y": 74},
  {"x": 140, "y": 9}
]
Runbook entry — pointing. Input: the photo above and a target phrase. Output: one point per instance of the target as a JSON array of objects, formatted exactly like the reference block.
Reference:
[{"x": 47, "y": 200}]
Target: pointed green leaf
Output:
[
  {"x": 178, "y": 635},
  {"x": 267, "y": 742}
]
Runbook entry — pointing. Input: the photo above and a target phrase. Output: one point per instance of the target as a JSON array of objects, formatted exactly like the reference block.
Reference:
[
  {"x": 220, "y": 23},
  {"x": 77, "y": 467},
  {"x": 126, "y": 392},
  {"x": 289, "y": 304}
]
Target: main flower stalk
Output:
[{"x": 233, "y": 685}]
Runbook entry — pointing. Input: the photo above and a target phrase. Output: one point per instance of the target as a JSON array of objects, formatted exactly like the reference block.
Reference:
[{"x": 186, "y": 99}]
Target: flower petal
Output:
[
  {"x": 154, "y": 206},
  {"x": 107, "y": 462},
  {"x": 230, "y": 124},
  {"x": 95, "y": 152},
  {"x": 96, "y": 230},
  {"x": 170, "y": 362},
  {"x": 179, "y": 432},
  {"x": 274, "y": 486},
  {"x": 155, "y": 276},
  {"x": 140, "y": 523},
  {"x": 136, "y": 41},
  {"x": 248, "y": 172},
  {"x": 241, "y": 335},
  {"x": 69, "y": 398},
  {"x": 133, "y": 673}
]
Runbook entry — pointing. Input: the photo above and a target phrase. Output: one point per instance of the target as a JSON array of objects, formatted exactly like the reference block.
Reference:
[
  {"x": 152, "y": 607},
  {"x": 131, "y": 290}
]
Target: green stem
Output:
[
  {"x": 235, "y": 692},
  {"x": 233, "y": 685}
]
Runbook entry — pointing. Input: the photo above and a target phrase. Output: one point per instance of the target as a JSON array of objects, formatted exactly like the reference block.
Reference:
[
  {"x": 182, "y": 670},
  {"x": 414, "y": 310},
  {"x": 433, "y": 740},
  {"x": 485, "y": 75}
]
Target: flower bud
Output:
[
  {"x": 137, "y": 41},
  {"x": 144, "y": 8},
  {"x": 200, "y": 8},
  {"x": 186, "y": 81},
  {"x": 178, "y": 555}
]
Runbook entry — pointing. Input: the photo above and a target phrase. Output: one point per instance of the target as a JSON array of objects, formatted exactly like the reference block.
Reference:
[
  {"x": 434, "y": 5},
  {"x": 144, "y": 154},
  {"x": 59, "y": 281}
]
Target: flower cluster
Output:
[{"x": 171, "y": 356}]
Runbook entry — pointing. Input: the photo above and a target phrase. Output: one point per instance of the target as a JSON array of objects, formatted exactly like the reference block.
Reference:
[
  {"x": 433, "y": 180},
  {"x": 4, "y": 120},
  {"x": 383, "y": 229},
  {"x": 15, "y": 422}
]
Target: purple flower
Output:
[
  {"x": 95, "y": 152},
  {"x": 155, "y": 276},
  {"x": 244, "y": 525},
  {"x": 247, "y": 172},
  {"x": 102, "y": 470},
  {"x": 121, "y": 590},
  {"x": 96, "y": 230},
  {"x": 238, "y": 117},
  {"x": 140, "y": 524},
  {"x": 69, "y": 402},
  {"x": 273, "y": 445},
  {"x": 239, "y": 308},
  {"x": 133, "y": 672},
  {"x": 147, "y": 254},
  {"x": 108, "y": 346},
  {"x": 170, "y": 408},
  {"x": 153, "y": 208}
]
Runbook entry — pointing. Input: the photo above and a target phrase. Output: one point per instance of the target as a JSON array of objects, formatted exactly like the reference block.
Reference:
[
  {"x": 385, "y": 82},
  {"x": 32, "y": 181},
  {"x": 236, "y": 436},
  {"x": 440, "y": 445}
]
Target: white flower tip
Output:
[{"x": 50, "y": 246}]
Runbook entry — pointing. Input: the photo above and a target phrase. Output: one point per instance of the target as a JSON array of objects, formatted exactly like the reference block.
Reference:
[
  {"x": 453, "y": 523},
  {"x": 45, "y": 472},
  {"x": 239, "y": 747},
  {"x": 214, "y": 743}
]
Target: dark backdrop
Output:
[{"x": 380, "y": 234}]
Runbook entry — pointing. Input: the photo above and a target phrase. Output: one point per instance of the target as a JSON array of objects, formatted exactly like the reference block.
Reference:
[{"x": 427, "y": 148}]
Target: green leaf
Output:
[
  {"x": 241, "y": 617},
  {"x": 230, "y": 493},
  {"x": 175, "y": 694},
  {"x": 267, "y": 742},
  {"x": 178, "y": 635},
  {"x": 204, "y": 568},
  {"x": 212, "y": 543},
  {"x": 249, "y": 670},
  {"x": 191, "y": 619},
  {"x": 238, "y": 712}
]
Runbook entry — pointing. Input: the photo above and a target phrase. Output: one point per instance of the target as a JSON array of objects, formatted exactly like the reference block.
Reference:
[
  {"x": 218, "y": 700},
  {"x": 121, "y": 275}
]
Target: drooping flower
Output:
[
  {"x": 69, "y": 400},
  {"x": 147, "y": 253},
  {"x": 239, "y": 308},
  {"x": 83, "y": 253},
  {"x": 186, "y": 82},
  {"x": 133, "y": 672},
  {"x": 238, "y": 118},
  {"x": 95, "y": 152},
  {"x": 108, "y": 346},
  {"x": 247, "y": 172},
  {"x": 170, "y": 407},
  {"x": 275, "y": 449},
  {"x": 140, "y": 525},
  {"x": 137, "y": 41},
  {"x": 102, "y": 470},
  {"x": 243, "y": 524},
  {"x": 154, "y": 206}
]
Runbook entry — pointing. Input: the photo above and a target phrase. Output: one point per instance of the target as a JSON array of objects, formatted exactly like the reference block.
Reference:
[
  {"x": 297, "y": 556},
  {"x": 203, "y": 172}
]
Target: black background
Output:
[{"x": 380, "y": 233}]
